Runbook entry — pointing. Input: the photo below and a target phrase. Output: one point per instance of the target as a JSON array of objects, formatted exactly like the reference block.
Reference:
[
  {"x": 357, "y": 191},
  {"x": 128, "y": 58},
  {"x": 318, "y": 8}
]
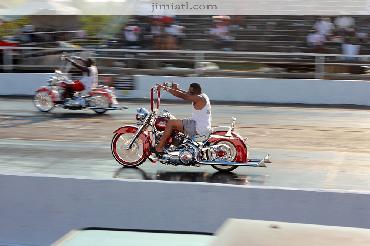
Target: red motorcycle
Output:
[
  {"x": 223, "y": 149},
  {"x": 62, "y": 92}
]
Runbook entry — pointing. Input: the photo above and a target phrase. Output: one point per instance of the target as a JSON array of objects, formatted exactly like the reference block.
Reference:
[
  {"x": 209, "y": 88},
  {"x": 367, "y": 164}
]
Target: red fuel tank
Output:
[{"x": 160, "y": 123}]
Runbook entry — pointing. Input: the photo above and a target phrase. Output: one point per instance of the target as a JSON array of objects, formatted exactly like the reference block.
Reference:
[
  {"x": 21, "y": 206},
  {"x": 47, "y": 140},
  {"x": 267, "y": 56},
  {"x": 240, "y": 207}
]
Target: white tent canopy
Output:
[{"x": 42, "y": 7}]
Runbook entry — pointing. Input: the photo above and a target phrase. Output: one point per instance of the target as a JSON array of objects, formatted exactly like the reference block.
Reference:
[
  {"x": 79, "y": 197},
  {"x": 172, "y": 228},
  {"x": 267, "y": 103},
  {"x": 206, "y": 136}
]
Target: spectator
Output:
[
  {"x": 132, "y": 35},
  {"x": 156, "y": 31},
  {"x": 324, "y": 26},
  {"x": 362, "y": 35},
  {"x": 316, "y": 41},
  {"x": 344, "y": 22},
  {"x": 351, "y": 45},
  {"x": 221, "y": 36},
  {"x": 145, "y": 31},
  {"x": 174, "y": 34},
  {"x": 237, "y": 22}
]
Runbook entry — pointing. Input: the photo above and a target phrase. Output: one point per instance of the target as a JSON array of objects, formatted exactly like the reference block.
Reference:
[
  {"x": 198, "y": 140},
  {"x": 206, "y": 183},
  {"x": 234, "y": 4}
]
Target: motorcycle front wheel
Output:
[
  {"x": 229, "y": 155},
  {"x": 43, "y": 101},
  {"x": 129, "y": 158}
]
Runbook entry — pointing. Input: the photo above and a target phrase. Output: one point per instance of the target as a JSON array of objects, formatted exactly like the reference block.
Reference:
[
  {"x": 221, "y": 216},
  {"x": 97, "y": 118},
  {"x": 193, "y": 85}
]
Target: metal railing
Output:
[{"x": 312, "y": 65}]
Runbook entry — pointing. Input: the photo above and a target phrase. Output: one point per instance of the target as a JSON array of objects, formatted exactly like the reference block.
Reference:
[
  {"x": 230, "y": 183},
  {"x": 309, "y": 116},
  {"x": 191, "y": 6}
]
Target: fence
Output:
[{"x": 199, "y": 63}]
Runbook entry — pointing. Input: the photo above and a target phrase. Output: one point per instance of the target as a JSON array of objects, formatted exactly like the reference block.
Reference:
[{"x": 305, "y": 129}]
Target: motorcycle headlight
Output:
[
  {"x": 142, "y": 113},
  {"x": 53, "y": 80}
]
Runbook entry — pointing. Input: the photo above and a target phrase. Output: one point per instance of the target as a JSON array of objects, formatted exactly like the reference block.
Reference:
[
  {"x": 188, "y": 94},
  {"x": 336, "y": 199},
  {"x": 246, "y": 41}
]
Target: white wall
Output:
[
  {"x": 36, "y": 210},
  {"x": 256, "y": 90},
  {"x": 22, "y": 83},
  {"x": 252, "y": 90}
]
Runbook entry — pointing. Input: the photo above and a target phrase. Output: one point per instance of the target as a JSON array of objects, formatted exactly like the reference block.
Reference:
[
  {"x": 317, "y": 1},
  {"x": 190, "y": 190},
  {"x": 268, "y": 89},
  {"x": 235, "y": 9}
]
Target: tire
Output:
[
  {"x": 43, "y": 101},
  {"x": 128, "y": 158},
  {"x": 230, "y": 157},
  {"x": 99, "y": 101}
]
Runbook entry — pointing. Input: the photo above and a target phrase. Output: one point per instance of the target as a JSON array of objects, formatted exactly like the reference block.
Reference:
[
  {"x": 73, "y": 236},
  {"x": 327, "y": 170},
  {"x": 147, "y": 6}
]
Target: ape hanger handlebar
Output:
[{"x": 155, "y": 102}]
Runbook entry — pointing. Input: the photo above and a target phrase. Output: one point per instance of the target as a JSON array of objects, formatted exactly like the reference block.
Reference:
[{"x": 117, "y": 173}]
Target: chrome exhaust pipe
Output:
[
  {"x": 267, "y": 159},
  {"x": 250, "y": 162}
]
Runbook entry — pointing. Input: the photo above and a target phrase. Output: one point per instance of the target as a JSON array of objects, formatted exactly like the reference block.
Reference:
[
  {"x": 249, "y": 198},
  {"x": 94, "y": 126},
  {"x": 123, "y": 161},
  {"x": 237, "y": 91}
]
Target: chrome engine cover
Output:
[
  {"x": 186, "y": 154},
  {"x": 189, "y": 154}
]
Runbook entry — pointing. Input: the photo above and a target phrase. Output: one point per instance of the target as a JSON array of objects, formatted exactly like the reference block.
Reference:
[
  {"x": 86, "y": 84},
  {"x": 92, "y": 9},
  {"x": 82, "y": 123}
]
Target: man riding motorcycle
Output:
[
  {"x": 90, "y": 75},
  {"x": 199, "y": 123}
]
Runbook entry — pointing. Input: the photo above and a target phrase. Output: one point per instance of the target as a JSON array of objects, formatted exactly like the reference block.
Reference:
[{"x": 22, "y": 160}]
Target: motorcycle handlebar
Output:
[
  {"x": 157, "y": 103},
  {"x": 157, "y": 88}
]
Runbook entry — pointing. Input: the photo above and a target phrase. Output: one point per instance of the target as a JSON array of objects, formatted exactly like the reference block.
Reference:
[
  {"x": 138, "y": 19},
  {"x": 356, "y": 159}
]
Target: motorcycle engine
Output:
[
  {"x": 188, "y": 154},
  {"x": 178, "y": 138}
]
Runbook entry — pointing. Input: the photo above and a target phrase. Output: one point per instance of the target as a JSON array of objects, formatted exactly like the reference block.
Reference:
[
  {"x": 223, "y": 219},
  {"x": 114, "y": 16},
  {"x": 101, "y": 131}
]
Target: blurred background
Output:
[{"x": 294, "y": 46}]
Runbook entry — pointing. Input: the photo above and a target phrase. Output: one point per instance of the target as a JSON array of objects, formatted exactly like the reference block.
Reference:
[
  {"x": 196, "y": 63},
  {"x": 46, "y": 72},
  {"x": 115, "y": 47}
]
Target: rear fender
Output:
[
  {"x": 44, "y": 88},
  {"x": 144, "y": 136},
  {"x": 236, "y": 139},
  {"x": 100, "y": 92}
]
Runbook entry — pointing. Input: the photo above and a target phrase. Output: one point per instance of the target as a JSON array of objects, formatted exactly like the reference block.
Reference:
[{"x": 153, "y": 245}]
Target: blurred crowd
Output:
[
  {"x": 167, "y": 33},
  {"x": 157, "y": 32},
  {"x": 342, "y": 30}
]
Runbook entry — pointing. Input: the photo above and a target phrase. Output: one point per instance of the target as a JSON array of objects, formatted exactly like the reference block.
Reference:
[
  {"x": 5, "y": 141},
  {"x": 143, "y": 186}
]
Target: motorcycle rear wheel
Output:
[
  {"x": 230, "y": 156},
  {"x": 99, "y": 101},
  {"x": 43, "y": 101},
  {"x": 128, "y": 158}
]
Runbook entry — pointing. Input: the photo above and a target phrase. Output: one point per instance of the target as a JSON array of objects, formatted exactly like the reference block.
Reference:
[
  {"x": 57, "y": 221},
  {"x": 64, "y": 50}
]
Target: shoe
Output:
[{"x": 158, "y": 154}]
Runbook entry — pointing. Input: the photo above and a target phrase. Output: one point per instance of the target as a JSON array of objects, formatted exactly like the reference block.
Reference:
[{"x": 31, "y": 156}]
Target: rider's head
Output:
[
  {"x": 90, "y": 62},
  {"x": 195, "y": 89}
]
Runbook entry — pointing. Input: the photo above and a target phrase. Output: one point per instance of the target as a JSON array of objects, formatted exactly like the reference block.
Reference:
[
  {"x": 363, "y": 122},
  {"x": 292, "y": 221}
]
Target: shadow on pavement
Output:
[{"x": 217, "y": 177}]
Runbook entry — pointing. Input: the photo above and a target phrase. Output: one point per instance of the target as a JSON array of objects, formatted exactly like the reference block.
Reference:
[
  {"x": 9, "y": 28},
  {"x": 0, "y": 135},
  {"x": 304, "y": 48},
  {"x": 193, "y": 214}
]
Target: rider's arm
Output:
[
  {"x": 79, "y": 66},
  {"x": 183, "y": 94},
  {"x": 79, "y": 58}
]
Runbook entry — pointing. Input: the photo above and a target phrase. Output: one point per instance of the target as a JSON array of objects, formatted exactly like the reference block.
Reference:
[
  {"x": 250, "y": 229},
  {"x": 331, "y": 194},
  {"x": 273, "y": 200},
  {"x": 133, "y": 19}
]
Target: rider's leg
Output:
[{"x": 171, "y": 126}]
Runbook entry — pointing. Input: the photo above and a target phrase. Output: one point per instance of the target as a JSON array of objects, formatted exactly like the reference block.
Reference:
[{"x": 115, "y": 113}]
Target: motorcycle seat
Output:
[
  {"x": 221, "y": 129},
  {"x": 200, "y": 138}
]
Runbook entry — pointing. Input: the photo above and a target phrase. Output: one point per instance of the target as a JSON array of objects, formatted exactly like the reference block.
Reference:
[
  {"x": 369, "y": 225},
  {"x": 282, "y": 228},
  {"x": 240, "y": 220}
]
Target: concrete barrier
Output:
[
  {"x": 249, "y": 90},
  {"x": 259, "y": 90},
  {"x": 37, "y": 210},
  {"x": 22, "y": 83},
  {"x": 237, "y": 232}
]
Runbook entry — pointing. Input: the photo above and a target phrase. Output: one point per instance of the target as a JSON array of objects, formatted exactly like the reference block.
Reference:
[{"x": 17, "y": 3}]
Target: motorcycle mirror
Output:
[{"x": 168, "y": 84}]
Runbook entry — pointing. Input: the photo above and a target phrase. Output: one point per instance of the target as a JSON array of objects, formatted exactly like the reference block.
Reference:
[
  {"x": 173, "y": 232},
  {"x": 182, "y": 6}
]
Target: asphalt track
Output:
[{"x": 311, "y": 148}]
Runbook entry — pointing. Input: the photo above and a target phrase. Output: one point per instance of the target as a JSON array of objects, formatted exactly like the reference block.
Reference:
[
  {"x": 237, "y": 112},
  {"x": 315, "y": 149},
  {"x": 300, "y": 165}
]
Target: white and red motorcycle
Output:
[
  {"x": 65, "y": 93},
  {"x": 223, "y": 149}
]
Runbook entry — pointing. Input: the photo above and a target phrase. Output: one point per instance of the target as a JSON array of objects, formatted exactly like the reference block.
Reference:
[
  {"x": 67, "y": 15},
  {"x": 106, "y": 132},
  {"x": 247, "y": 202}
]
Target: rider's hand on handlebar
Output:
[{"x": 175, "y": 86}]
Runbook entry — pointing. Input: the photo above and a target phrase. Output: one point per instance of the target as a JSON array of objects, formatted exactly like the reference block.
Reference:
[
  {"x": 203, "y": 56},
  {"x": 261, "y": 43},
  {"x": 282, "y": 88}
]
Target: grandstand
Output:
[
  {"x": 265, "y": 33},
  {"x": 257, "y": 35}
]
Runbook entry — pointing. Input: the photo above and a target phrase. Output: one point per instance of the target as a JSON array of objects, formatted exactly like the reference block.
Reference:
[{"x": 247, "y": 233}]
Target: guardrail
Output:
[{"x": 245, "y": 64}]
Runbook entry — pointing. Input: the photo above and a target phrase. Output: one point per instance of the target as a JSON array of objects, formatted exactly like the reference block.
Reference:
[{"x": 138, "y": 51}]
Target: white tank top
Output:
[
  {"x": 90, "y": 80},
  {"x": 203, "y": 118}
]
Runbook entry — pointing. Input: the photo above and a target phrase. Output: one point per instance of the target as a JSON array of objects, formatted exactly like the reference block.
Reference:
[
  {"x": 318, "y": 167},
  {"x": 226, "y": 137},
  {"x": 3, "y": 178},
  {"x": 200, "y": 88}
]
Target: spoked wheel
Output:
[
  {"x": 228, "y": 153},
  {"x": 43, "y": 101},
  {"x": 128, "y": 157},
  {"x": 100, "y": 102}
]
